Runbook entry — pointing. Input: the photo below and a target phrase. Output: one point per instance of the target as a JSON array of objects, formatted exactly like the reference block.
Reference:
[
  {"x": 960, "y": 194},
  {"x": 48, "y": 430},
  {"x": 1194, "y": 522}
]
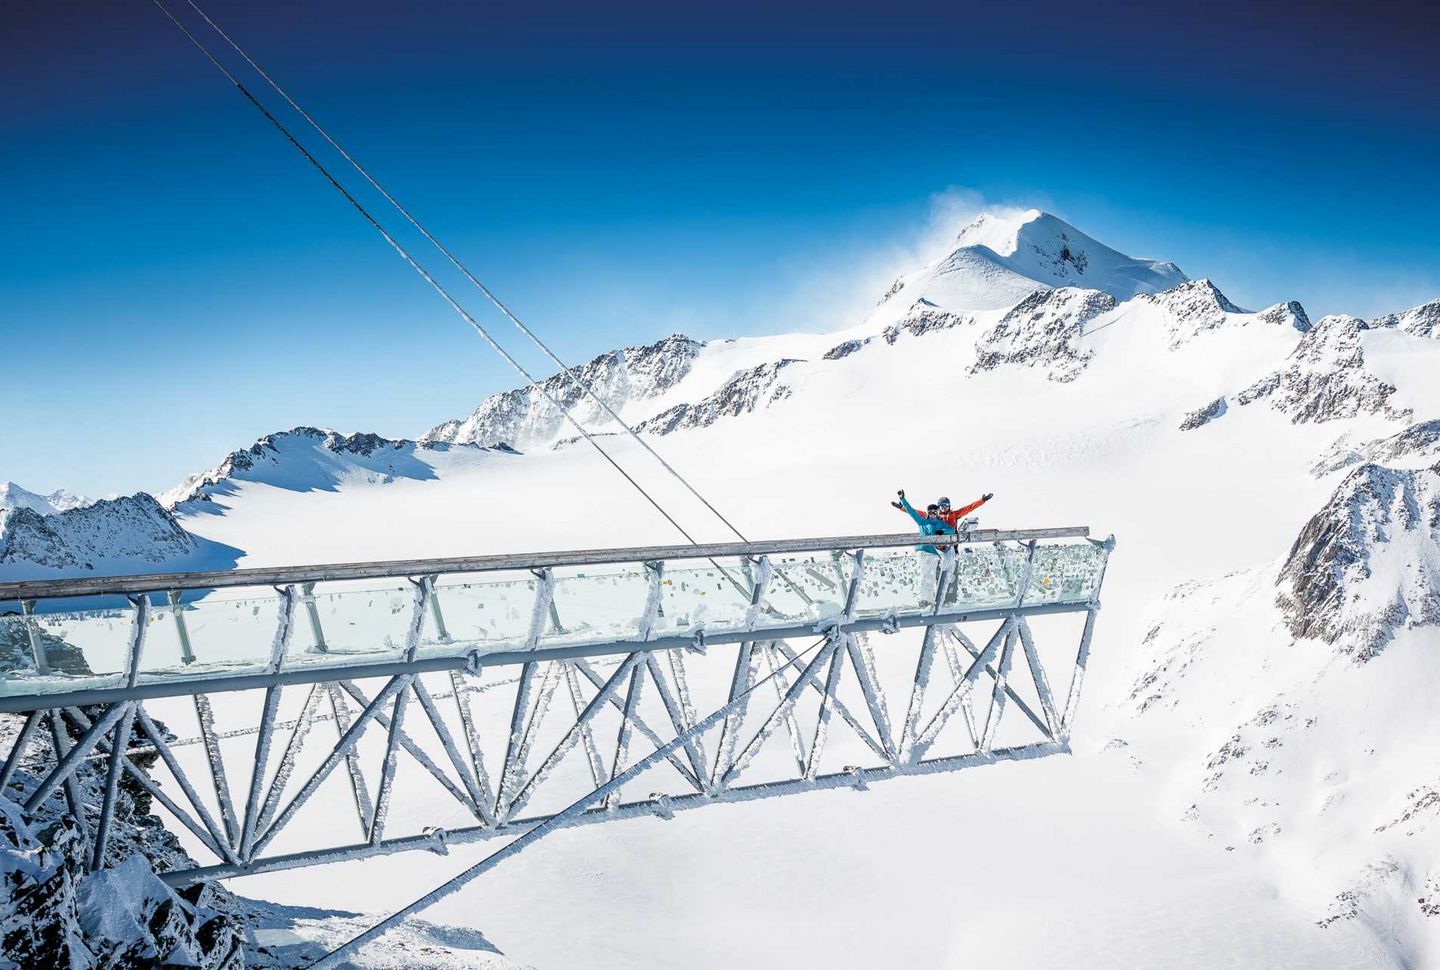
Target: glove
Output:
[
  {"x": 901, "y": 493},
  {"x": 898, "y": 506},
  {"x": 987, "y": 496}
]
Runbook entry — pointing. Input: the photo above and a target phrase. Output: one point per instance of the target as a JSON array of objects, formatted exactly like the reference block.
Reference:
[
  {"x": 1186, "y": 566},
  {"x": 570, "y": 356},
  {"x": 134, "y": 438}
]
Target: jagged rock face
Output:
[
  {"x": 1192, "y": 308},
  {"x": 844, "y": 349},
  {"x": 1288, "y": 314},
  {"x": 1368, "y": 563},
  {"x": 523, "y": 417},
  {"x": 1421, "y": 321},
  {"x": 1203, "y": 416},
  {"x": 55, "y": 913},
  {"x": 134, "y": 527},
  {"x": 745, "y": 392},
  {"x": 1417, "y": 443},
  {"x": 1043, "y": 331},
  {"x": 1325, "y": 377},
  {"x": 922, "y": 318}
]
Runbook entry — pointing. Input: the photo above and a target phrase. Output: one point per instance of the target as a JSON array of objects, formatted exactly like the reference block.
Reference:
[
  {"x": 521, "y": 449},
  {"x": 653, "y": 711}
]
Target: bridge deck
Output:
[{"x": 101, "y": 639}]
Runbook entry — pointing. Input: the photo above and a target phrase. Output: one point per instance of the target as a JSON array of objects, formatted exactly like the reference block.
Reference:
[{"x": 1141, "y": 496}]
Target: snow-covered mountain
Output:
[
  {"x": 998, "y": 260},
  {"x": 12, "y": 497},
  {"x": 1254, "y": 758},
  {"x": 132, "y": 534}
]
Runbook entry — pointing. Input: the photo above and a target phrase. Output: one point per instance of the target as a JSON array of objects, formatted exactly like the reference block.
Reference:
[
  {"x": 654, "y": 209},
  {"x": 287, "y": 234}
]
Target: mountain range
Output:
[{"x": 1261, "y": 688}]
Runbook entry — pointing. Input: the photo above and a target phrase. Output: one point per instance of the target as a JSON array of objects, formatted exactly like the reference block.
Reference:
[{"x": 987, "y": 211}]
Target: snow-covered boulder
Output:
[
  {"x": 1325, "y": 377},
  {"x": 523, "y": 417},
  {"x": 1043, "y": 330},
  {"x": 1368, "y": 563}
]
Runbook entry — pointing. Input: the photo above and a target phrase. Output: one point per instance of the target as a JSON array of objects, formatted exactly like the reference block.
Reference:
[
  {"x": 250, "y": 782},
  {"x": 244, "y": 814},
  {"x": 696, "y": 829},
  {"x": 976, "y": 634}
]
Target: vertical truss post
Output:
[
  {"x": 32, "y": 633},
  {"x": 137, "y": 638},
  {"x": 472, "y": 742},
  {"x": 760, "y": 572},
  {"x": 622, "y": 740},
  {"x": 317, "y": 631},
  {"x": 418, "y": 603},
  {"x": 359, "y": 791},
  {"x": 1082, "y": 658},
  {"x": 927, "y": 657},
  {"x": 177, "y": 611},
  {"x": 118, "y": 746},
  {"x": 441, "y": 633},
  {"x": 1042, "y": 683},
  {"x": 587, "y": 737},
  {"x": 653, "y": 592},
  {"x": 60, "y": 738},
  {"x": 279, "y": 645},
  {"x": 842, "y": 637},
  {"x": 205, "y": 716},
  {"x": 997, "y": 697}
]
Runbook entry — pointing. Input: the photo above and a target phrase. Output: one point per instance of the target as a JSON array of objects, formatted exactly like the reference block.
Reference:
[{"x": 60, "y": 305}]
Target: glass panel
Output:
[
  {"x": 596, "y": 604},
  {"x": 806, "y": 587},
  {"x": 359, "y": 620},
  {"x": 84, "y": 649},
  {"x": 902, "y": 580},
  {"x": 985, "y": 577},
  {"x": 230, "y": 631},
  {"x": 1065, "y": 573},
  {"x": 699, "y": 594},
  {"x": 485, "y": 611}
]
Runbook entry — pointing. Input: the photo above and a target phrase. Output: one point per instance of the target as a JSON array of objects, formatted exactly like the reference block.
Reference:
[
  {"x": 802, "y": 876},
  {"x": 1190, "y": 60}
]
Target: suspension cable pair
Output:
[{"x": 414, "y": 264}]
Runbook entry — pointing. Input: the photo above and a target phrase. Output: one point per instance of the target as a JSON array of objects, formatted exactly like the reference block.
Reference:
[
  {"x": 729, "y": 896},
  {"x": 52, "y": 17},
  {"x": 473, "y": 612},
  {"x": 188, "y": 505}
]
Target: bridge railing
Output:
[{"x": 103, "y": 639}]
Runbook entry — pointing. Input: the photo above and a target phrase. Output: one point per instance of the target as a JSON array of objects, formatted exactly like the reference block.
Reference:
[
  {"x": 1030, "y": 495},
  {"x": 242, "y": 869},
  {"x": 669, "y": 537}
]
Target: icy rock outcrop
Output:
[
  {"x": 1288, "y": 314},
  {"x": 844, "y": 349},
  {"x": 524, "y": 418},
  {"x": 1192, "y": 308},
  {"x": 1043, "y": 331},
  {"x": 134, "y": 528},
  {"x": 1325, "y": 377},
  {"x": 923, "y": 317},
  {"x": 54, "y": 913},
  {"x": 1203, "y": 416},
  {"x": 744, "y": 392},
  {"x": 1420, "y": 321},
  {"x": 1418, "y": 444},
  {"x": 1368, "y": 563}
]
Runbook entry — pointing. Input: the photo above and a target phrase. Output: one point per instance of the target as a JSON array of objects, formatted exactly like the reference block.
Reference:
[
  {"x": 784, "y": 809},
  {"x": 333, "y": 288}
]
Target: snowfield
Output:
[{"x": 1254, "y": 780}]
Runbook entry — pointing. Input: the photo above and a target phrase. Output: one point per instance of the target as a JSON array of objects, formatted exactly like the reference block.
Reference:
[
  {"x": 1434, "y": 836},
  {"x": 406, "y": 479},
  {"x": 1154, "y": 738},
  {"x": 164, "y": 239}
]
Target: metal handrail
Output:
[{"x": 284, "y": 575}]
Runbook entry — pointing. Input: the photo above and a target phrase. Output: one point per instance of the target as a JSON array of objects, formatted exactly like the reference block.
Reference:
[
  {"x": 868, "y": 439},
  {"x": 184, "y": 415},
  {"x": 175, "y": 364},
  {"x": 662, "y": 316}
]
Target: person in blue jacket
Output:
[{"x": 929, "y": 521}]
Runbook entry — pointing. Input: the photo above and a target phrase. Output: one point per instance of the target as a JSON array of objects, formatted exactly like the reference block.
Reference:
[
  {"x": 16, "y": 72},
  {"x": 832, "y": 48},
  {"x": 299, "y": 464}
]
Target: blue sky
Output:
[{"x": 175, "y": 281}]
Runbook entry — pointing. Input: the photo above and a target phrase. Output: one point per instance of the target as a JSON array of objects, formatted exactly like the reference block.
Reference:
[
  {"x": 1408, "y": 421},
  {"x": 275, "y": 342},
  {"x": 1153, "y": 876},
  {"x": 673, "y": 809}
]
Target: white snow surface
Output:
[{"x": 1232, "y": 787}]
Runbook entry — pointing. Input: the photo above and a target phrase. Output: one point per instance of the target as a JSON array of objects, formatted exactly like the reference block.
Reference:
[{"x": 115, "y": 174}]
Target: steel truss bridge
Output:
[{"x": 508, "y": 696}]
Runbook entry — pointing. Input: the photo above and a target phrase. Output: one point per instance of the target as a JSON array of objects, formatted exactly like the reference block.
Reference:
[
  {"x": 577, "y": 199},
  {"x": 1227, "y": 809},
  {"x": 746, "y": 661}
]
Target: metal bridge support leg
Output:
[
  {"x": 1077, "y": 680},
  {"x": 118, "y": 746},
  {"x": 32, "y": 633}
]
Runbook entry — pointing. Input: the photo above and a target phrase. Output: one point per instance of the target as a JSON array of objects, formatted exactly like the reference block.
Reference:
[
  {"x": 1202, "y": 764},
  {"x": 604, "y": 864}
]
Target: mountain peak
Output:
[{"x": 1002, "y": 257}]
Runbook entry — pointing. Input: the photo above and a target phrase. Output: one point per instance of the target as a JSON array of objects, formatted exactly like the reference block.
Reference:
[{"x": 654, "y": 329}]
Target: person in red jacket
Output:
[{"x": 952, "y": 517}]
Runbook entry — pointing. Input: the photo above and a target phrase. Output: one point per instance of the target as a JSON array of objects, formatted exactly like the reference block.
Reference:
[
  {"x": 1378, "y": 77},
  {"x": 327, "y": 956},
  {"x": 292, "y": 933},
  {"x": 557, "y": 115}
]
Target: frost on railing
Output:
[{"x": 53, "y": 646}]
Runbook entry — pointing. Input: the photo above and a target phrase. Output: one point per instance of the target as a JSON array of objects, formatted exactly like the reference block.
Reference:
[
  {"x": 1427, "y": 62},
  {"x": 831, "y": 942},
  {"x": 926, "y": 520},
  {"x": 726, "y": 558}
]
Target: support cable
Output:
[
  {"x": 455, "y": 261},
  {"x": 405, "y": 255}
]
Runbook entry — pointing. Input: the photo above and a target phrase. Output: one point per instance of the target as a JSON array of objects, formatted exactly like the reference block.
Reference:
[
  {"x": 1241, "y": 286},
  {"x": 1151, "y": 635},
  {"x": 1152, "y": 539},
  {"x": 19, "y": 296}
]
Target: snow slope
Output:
[{"x": 1238, "y": 779}]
